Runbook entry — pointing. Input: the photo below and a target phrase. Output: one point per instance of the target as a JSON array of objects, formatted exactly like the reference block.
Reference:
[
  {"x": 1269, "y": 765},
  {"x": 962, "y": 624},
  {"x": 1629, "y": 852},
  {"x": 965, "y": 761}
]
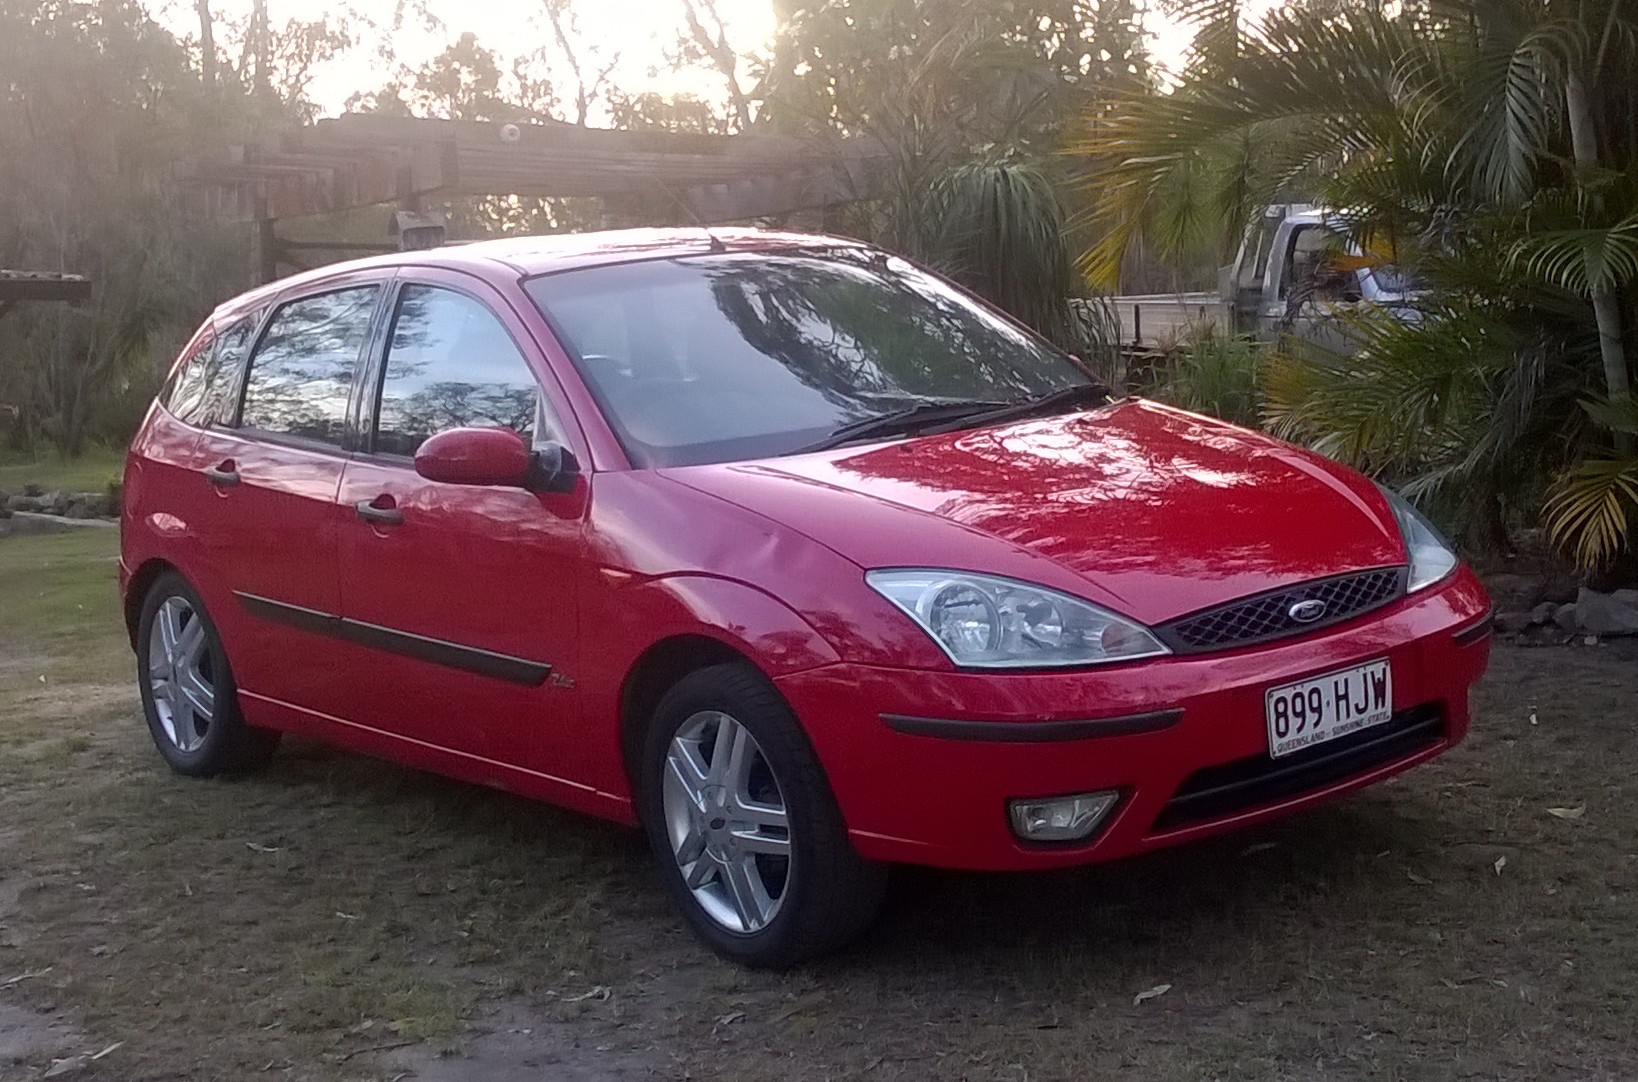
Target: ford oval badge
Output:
[{"x": 1306, "y": 612}]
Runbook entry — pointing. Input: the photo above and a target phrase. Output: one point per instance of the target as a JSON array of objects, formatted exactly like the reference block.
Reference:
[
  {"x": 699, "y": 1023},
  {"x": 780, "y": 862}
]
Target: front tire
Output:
[
  {"x": 188, "y": 693},
  {"x": 744, "y": 825}
]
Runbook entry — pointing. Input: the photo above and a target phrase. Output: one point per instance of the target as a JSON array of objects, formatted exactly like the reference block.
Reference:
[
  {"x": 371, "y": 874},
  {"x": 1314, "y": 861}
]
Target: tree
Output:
[
  {"x": 87, "y": 190},
  {"x": 708, "y": 33},
  {"x": 587, "y": 62},
  {"x": 1487, "y": 142},
  {"x": 970, "y": 101},
  {"x": 650, "y": 111}
]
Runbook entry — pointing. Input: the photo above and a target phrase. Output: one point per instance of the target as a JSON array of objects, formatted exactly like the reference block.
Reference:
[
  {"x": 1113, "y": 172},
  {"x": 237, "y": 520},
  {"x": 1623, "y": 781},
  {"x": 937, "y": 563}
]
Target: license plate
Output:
[{"x": 1325, "y": 707}]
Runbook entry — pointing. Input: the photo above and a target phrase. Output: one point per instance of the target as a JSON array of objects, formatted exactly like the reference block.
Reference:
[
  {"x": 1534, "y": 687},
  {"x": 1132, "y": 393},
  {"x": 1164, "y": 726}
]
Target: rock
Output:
[
  {"x": 1565, "y": 618},
  {"x": 57, "y": 502},
  {"x": 80, "y": 508},
  {"x": 24, "y": 503},
  {"x": 1543, "y": 613},
  {"x": 32, "y": 489},
  {"x": 1604, "y": 614},
  {"x": 1511, "y": 623},
  {"x": 1626, "y": 597}
]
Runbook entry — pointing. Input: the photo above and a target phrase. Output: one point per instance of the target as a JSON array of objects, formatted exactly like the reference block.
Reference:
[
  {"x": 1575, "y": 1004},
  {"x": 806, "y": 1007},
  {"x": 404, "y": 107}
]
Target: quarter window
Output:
[
  {"x": 302, "y": 374},
  {"x": 183, "y": 393},
  {"x": 224, "y": 372},
  {"x": 452, "y": 364}
]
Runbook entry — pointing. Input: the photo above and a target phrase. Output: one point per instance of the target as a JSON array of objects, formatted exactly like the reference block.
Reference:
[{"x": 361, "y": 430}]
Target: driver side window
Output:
[{"x": 452, "y": 364}]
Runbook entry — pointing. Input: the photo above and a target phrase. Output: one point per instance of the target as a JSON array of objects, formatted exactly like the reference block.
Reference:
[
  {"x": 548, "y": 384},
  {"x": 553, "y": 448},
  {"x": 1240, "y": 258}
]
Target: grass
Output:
[
  {"x": 91, "y": 472},
  {"x": 306, "y": 919}
]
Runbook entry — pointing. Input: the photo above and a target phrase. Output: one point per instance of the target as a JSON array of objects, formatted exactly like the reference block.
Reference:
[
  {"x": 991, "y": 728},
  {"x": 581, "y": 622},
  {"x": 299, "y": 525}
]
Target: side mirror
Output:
[
  {"x": 476, "y": 456},
  {"x": 554, "y": 469}
]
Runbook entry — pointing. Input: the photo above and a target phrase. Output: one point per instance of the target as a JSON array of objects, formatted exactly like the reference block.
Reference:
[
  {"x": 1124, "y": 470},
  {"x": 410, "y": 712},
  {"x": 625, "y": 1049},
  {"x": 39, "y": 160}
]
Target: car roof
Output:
[{"x": 524, "y": 256}]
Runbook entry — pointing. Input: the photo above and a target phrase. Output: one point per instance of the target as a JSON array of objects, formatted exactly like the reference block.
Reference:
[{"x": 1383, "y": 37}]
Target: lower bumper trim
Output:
[
  {"x": 1032, "y": 732},
  {"x": 1220, "y": 791}
]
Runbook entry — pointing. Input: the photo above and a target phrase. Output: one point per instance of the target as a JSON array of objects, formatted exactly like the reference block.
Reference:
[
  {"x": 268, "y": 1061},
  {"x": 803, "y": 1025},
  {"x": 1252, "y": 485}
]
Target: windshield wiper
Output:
[
  {"x": 1081, "y": 394},
  {"x": 900, "y": 422}
]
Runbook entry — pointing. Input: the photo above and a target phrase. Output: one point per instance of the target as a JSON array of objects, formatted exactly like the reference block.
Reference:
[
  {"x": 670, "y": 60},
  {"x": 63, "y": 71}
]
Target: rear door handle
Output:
[
  {"x": 223, "y": 476},
  {"x": 370, "y": 511}
]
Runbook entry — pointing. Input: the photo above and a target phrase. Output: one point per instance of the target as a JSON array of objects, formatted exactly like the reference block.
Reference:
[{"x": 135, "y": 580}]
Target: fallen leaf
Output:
[
  {"x": 63, "y": 1066},
  {"x": 1260, "y": 847},
  {"x": 27, "y": 976},
  {"x": 598, "y": 993},
  {"x": 260, "y": 848},
  {"x": 346, "y": 916},
  {"x": 1501, "y": 862},
  {"x": 107, "y": 1050},
  {"x": 1151, "y": 993},
  {"x": 1569, "y": 813},
  {"x": 1419, "y": 880}
]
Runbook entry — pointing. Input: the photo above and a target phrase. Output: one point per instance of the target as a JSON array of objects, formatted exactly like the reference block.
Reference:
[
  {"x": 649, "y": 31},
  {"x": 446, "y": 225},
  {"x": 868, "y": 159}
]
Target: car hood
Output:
[{"x": 1148, "y": 509}]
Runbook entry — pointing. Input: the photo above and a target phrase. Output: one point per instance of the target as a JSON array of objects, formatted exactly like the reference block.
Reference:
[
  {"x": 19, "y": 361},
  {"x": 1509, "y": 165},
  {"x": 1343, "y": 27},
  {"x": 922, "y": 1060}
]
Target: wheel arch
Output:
[
  {"x": 688, "y": 622},
  {"x": 655, "y": 672},
  {"x": 136, "y": 591}
]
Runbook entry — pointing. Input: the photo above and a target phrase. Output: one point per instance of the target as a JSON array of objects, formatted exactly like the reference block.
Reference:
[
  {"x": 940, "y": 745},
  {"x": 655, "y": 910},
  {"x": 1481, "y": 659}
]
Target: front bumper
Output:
[{"x": 936, "y": 794}]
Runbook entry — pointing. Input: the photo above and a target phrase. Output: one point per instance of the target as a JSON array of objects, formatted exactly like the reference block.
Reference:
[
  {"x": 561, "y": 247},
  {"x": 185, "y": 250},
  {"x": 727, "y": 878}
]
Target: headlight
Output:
[
  {"x": 989, "y": 622},
  {"x": 1431, "y": 556}
]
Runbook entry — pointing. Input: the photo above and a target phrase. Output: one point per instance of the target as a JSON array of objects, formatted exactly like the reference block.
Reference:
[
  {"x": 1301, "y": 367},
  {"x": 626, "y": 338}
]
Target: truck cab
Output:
[{"x": 1298, "y": 271}]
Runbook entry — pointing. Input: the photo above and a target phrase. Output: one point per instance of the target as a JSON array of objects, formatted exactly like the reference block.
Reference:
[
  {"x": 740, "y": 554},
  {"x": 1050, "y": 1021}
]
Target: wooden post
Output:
[{"x": 267, "y": 249}]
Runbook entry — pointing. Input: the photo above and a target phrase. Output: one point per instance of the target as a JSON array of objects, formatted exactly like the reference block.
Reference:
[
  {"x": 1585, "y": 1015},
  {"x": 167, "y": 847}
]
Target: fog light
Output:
[{"x": 1060, "y": 818}]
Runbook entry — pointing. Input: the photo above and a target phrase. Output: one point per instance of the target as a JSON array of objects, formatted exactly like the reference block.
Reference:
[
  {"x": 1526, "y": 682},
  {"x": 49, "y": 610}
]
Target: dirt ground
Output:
[{"x": 336, "y": 918}]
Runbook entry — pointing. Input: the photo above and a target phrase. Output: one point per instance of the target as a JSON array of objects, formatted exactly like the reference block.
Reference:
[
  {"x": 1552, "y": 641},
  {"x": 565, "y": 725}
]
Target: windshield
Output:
[{"x": 730, "y": 356}]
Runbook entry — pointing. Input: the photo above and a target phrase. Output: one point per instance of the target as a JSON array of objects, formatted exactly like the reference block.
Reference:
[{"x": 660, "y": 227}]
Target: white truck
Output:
[{"x": 1296, "y": 268}]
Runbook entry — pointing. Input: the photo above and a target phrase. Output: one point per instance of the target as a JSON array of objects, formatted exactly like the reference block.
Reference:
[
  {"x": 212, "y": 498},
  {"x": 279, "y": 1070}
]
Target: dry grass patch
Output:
[{"x": 308, "y": 919}]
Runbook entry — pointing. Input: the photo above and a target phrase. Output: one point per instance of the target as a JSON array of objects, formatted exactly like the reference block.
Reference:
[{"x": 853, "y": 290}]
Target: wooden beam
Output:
[{"x": 43, "y": 286}]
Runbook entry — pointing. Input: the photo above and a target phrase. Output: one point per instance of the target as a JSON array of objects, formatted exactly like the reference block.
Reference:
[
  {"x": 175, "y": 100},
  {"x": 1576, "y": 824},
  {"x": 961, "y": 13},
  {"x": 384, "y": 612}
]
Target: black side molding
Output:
[
  {"x": 514, "y": 670},
  {"x": 1476, "y": 632},
  {"x": 1033, "y": 732}
]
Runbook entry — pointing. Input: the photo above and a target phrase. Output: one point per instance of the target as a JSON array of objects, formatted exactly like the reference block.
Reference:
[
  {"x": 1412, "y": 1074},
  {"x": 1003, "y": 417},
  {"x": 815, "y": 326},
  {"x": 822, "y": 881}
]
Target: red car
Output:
[{"x": 779, "y": 546}]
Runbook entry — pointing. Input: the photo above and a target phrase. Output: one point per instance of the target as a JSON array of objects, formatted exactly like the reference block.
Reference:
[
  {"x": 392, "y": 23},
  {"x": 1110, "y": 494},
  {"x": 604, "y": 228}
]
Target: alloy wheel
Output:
[
  {"x": 180, "y": 674},
  {"x": 726, "y": 820}
]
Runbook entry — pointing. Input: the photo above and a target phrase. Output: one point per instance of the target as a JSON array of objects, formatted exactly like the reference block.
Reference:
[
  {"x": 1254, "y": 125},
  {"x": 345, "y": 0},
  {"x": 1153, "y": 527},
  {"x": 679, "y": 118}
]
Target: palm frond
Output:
[
  {"x": 1583, "y": 261},
  {"x": 1590, "y": 511}
]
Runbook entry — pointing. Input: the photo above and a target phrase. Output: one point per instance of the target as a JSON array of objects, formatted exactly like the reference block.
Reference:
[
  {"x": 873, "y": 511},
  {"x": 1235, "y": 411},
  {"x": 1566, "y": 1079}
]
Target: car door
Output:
[
  {"x": 268, "y": 540},
  {"x": 462, "y": 599}
]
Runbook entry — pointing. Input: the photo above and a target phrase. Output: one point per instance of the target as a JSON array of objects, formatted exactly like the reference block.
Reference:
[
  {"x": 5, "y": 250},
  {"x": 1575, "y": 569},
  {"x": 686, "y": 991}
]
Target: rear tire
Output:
[
  {"x": 188, "y": 694},
  {"x": 744, "y": 825}
]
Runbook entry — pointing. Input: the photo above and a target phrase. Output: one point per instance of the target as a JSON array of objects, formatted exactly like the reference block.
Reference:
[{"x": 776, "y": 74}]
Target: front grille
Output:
[
  {"x": 1219, "y": 791},
  {"x": 1268, "y": 616}
]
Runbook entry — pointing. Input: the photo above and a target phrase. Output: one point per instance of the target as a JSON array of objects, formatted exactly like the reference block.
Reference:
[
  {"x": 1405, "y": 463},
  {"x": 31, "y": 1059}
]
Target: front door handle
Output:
[
  {"x": 379, "y": 510},
  {"x": 224, "y": 475}
]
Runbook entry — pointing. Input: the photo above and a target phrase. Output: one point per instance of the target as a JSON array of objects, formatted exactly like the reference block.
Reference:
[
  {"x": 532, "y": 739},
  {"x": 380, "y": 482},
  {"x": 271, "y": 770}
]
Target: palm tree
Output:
[{"x": 1492, "y": 142}]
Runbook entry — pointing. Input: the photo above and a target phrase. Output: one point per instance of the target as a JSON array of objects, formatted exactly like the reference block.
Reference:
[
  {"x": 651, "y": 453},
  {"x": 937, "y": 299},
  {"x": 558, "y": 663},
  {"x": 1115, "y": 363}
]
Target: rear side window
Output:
[
  {"x": 452, "y": 364},
  {"x": 302, "y": 373}
]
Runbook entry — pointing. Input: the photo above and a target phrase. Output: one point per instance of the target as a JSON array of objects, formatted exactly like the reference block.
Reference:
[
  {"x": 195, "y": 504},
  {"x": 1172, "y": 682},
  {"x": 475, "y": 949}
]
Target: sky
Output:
[{"x": 640, "y": 31}]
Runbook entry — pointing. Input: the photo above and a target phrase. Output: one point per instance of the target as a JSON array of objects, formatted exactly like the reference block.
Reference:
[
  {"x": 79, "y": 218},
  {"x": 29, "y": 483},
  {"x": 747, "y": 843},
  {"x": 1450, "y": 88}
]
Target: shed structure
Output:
[{"x": 641, "y": 177}]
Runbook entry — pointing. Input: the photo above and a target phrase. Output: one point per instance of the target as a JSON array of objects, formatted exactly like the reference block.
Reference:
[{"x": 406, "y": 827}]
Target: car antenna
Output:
[{"x": 717, "y": 243}]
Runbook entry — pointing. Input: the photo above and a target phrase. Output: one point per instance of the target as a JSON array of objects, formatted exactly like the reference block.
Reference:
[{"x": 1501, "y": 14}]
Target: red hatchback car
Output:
[{"x": 779, "y": 546}]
